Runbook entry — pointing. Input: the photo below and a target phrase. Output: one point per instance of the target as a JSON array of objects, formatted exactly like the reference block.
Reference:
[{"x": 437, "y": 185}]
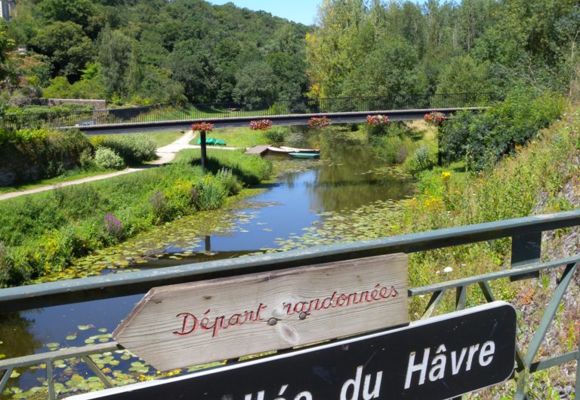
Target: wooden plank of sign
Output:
[{"x": 195, "y": 323}]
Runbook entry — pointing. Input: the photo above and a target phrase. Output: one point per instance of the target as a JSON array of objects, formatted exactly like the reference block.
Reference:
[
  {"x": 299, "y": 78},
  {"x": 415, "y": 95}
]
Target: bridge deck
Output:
[{"x": 279, "y": 120}]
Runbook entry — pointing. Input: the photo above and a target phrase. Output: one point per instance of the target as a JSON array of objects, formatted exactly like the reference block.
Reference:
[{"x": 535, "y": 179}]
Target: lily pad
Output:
[
  {"x": 85, "y": 327},
  {"x": 53, "y": 346}
]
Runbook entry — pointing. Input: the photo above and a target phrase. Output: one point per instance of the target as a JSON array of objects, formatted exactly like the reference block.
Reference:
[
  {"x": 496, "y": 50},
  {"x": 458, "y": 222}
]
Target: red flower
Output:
[
  {"x": 435, "y": 118},
  {"x": 377, "y": 120},
  {"x": 202, "y": 127},
  {"x": 262, "y": 125},
  {"x": 318, "y": 122}
]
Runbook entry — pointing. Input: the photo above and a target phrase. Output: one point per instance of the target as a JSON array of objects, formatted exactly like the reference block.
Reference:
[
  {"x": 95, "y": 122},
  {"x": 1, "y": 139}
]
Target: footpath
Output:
[{"x": 165, "y": 155}]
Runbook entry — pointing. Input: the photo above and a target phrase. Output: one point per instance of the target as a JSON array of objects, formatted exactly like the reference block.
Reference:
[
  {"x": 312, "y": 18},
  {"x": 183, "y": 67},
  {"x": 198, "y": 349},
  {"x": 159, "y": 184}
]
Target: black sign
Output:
[{"x": 438, "y": 358}]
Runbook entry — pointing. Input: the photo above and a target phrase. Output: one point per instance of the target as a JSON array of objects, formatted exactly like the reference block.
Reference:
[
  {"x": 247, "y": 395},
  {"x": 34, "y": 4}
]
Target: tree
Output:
[
  {"x": 390, "y": 73},
  {"x": 334, "y": 50},
  {"x": 193, "y": 67},
  {"x": 114, "y": 57},
  {"x": 81, "y": 12},
  {"x": 5, "y": 44},
  {"x": 463, "y": 75},
  {"x": 67, "y": 47},
  {"x": 256, "y": 86}
]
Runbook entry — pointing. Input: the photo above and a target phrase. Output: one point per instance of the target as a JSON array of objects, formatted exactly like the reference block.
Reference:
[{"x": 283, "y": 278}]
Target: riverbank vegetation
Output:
[
  {"x": 531, "y": 180},
  {"x": 42, "y": 233},
  {"x": 31, "y": 155}
]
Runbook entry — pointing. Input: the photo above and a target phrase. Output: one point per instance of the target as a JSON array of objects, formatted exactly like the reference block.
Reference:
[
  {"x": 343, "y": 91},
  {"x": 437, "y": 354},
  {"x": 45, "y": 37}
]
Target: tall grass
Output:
[{"x": 528, "y": 182}]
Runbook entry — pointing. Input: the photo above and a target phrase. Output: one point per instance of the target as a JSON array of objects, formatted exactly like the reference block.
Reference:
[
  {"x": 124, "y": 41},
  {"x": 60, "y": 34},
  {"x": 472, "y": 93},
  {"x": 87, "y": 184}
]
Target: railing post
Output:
[{"x": 526, "y": 249}]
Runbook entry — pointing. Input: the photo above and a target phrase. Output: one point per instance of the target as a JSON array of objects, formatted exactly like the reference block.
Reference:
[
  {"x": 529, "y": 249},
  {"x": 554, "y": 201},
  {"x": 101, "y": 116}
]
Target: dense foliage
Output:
[
  {"x": 137, "y": 51},
  {"x": 133, "y": 149},
  {"x": 404, "y": 50},
  {"x": 32, "y": 154},
  {"x": 482, "y": 139}
]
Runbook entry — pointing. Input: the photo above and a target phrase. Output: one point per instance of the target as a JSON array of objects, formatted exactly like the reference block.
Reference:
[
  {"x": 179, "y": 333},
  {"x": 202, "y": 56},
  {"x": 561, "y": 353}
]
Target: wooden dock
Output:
[{"x": 258, "y": 150}]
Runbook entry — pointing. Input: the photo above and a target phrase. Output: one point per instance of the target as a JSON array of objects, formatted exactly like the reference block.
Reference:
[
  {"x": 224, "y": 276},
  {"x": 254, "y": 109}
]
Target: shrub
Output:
[
  {"x": 160, "y": 208},
  {"x": 113, "y": 227},
  {"x": 31, "y": 154},
  {"x": 108, "y": 159},
  {"x": 211, "y": 193},
  {"x": 421, "y": 160},
  {"x": 393, "y": 149},
  {"x": 276, "y": 135},
  {"x": 483, "y": 139},
  {"x": 229, "y": 181},
  {"x": 5, "y": 265},
  {"x": 134, "y": 149}
]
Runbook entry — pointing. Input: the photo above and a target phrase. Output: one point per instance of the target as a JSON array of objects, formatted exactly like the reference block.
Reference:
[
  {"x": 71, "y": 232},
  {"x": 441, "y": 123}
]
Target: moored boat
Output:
[{"x": 304, "y": 155}]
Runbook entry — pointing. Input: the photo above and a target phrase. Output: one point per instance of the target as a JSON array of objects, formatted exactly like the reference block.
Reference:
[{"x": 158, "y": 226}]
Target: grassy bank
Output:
[
  {"x": 250, "y": 169},
  {"x": 42, "y": 233},
  {"x": 525, "y": 183}
]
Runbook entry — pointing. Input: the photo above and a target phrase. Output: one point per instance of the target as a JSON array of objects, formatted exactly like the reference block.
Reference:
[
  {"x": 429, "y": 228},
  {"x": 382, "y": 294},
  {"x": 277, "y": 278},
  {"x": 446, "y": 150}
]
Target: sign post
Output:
[
  {"x": 196, "y": 323},
  {"x": 434, "y": 359}
]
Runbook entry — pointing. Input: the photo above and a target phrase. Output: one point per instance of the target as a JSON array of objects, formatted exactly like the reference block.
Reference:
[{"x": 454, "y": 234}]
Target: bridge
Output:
[
  {"x": 277, "y": 120},
  {"x": 95, "y": 121}
]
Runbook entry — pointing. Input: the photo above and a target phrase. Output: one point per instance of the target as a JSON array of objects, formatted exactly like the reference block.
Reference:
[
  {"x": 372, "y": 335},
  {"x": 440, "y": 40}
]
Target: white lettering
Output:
[
  {"x": 486, "y": 353},
  {"x": 438, "y": 364},
  {"x": 367, "y": 395},
  {"x": 354, "y": 383},
  {"x": 412, "y": 368},
  {"x": 456, "y": 365},
  {"x": 472, "y": 350}
]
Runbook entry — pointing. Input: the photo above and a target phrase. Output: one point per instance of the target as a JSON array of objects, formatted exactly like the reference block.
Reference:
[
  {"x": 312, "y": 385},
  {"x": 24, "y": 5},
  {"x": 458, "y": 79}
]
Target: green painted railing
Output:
[{"x": 526, "y": 234}]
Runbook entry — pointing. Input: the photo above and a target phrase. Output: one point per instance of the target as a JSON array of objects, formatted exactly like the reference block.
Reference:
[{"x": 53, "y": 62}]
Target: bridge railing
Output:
[
  {"x": 525, "y": 234},
  {"x": 156, "y": 113}
]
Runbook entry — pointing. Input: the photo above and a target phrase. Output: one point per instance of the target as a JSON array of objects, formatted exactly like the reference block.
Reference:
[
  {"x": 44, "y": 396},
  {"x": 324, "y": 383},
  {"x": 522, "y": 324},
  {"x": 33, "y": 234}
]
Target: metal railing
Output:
[
  {"x": 158, "y": 113},
  {"x": 525, "y": 233}
]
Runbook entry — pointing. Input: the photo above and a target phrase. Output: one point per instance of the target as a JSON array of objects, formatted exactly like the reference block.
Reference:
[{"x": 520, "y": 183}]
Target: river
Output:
[{"x": 347, "y": 178}]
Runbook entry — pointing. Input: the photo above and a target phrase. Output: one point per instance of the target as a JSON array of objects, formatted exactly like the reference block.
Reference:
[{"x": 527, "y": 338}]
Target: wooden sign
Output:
[
  {"x": 196, "y": 323},
  {"x": 435, "y": 359}
]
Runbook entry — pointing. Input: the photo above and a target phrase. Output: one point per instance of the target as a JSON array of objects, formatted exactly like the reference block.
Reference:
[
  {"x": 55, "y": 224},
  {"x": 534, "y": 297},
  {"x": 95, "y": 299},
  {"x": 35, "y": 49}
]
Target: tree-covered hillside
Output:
[
  {"x": 403, "y": 49},
  {"x": 160, "y": 51},
  {"x": 157, "y": 51}
]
